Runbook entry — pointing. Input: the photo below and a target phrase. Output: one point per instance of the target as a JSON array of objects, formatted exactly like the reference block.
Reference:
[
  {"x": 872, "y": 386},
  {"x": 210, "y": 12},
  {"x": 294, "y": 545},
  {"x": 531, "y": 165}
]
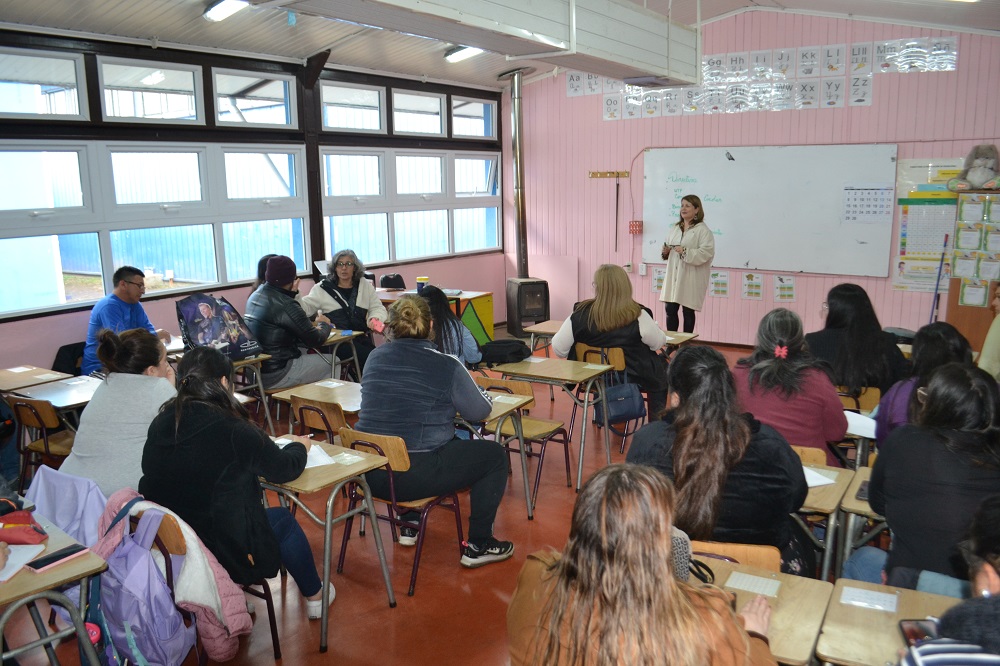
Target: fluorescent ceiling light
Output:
[
  {"x": 152, "y": 79},
  {"x": 460, "y": 53},
  {"x": 223, "y": 9}
]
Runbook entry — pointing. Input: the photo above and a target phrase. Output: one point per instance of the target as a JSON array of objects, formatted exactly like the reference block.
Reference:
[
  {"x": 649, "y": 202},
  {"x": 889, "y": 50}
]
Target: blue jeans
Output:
[
  {"x": 866, "y": 564},
  {"x": 296, "y": 554}
]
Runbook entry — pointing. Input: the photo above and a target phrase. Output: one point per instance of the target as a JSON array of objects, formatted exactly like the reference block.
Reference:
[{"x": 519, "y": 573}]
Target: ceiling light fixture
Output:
[
  {"x": 223, "y": 9},
  {"x": 460, "y": 53}
]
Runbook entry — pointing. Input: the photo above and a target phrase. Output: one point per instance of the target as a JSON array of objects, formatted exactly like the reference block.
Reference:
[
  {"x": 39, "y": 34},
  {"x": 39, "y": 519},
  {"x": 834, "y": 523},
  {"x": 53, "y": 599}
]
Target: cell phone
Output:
[
  {"x": 917, "y": 631},
  {"x": 862, "y": 493},
  {"x": 49, "y": 560}
]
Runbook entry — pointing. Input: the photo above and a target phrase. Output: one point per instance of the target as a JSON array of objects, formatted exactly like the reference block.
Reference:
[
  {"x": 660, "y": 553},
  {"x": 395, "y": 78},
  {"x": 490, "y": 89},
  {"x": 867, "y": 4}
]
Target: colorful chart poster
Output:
[
  {"x": 659, "y": 275},
  {"x": 718, "y": 284},
  {"x": 753, "y": 286},
  {"x": 974, "y": 292},
  {"x": 784, "y": 288}
]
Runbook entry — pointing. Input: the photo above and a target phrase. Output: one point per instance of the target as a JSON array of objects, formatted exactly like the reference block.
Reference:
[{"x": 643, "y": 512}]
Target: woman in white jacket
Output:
[
  {"x": 349, "y": 301},
  {"x": 688, "y": 250}
]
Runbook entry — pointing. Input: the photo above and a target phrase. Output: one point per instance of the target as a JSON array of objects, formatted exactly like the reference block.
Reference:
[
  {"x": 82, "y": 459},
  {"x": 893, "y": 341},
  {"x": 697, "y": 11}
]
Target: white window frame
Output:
[
  {"x": 475, "y": 100},
  {"x": 199, "y": 91},
  {"x": 382, "y": 103},
  {"x": 163, "y": 212},
  {"x": 481, "y": 155},
  {"x": 269, "y": 207},
  {"x": 443, "y": 105},
  {"x": 425, "y": 200},
  {"x": 354, "y": 204},
  {"x": 81, "y": 85},
  {"x": 292, "y": 101}
]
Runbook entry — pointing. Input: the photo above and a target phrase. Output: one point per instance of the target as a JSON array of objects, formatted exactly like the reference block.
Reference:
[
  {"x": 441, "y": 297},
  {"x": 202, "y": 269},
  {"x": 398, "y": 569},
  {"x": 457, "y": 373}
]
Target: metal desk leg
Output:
[
  {"x": 864, "y": 448},
  {"x": 36, "y": 619},
  {"x": 849, "y": 525},
  {"x": 519, "y": 433},
  {"x": 830, "y": 545},
  {"x": 583, "y": 427},
  {"x": 370, "y": 503},
  {"x": 602, "y": 396},
  {"x": 357, "y": 363},
  {"x": 259, "y": 375}
]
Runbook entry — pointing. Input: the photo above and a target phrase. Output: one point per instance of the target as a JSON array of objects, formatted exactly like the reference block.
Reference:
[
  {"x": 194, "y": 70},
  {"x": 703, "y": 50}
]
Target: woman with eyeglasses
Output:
[
  {"x": 931, "y": 476},
  {"x": 853, "y": 343},
  {"x": 970, "y": 632},
  {"x": 349, "y": 301}
]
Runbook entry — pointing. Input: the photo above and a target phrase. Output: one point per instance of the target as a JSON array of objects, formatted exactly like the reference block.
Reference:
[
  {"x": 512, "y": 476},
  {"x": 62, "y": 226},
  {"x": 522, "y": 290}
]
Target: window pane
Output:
[
  {"x": 475, "y": 229},
  {"x": 472, "y": 118},
  {"x": 44, "y": 85},
  {"x": 171, "y": 257},
  {"x": 40, "y": 179},
  {"x": 252, "y": 99},
  {"x": 416, "y": 113},
  {"x": 151, "y": 91},
  {"x": 247, "y": 242},
  {"x": 352, "y": 175},
  {"x": 63, "y": 269},
  {"x": 260, "y": 175},
  {"x": 156, "y": 177},
  {"x": 475, "y": 177},
  {"x": 367, "y": 235},
  {"x": 421, "y": 233},
  {"x": 351, "y": 108},
  {"x": 418, "y": 174}
]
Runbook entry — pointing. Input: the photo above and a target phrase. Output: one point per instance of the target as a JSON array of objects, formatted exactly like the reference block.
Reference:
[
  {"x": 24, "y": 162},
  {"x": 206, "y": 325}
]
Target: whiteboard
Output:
[{"x": 778, "y": 208}]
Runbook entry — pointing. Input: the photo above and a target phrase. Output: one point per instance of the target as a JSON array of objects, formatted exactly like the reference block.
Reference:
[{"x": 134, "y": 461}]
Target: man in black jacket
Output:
[{"x": 280, "y": 326}]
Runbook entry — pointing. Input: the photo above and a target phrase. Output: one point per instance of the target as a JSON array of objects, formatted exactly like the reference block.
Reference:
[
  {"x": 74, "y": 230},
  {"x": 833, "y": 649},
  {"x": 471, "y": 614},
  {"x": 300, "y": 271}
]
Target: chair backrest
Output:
[
  {"x": 319, "y": 415},
  {"x": 810, "y": 455},
  {"x": 69, "y": 358},
  {"x": 613, "y": 356},
  {"x": 762, "y": 557},
  {"x": 169, "y": 533},
  {"x": 36, "y": 413},
  {"x": 368, "y": 275},
  {"x": 393, "y": 448},
  {"x": 392, "y": 281},
  {"x": 513, "y": 386},
  {"x": 864, "y": 402}
]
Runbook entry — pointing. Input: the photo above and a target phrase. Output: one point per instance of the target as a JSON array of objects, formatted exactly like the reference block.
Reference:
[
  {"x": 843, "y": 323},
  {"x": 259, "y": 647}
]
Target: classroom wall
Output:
[{"x": 940, "y": 114}]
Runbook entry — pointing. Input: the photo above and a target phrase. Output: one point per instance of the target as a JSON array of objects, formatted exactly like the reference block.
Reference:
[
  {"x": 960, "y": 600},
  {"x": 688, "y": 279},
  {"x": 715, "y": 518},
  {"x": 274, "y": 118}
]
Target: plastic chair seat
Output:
[
  {"x": 60, "y": 444},
  {"x": 532, "y": 428}
]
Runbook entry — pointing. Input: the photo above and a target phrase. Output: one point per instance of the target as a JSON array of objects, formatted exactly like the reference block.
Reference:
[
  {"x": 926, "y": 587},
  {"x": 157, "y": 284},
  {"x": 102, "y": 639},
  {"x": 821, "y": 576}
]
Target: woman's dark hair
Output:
[
  {"x": 199, "y": 379},
  {"x": 860, "y": 360},
  {"x": 984, "y": 532},
  {"x": 781, "y": 356},
  {"x": 958, "y": 401},
  {"x": 711, "y": 436},
  {"x": 447, "y": 325},
  {"x": 130, "y": 352},
  {"x": 261, "y": 270},
  {"x": 331, "y": 267},
  {"x": 936, "y": 344}
]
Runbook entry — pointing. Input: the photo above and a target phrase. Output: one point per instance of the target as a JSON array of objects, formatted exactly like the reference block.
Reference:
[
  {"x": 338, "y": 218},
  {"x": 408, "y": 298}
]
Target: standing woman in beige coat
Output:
[{"x": 688, "y": 250}]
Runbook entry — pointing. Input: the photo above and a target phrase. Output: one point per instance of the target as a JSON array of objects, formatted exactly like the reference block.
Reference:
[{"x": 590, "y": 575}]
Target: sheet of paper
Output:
[
  {"x": 816, "y": 478},
  {"x": 318, "y": 457},
  {"x": 345, "y": 458},
  {"x": 283, "y": 442},
  {"x": 860, "y": 425},
  {"x": 48, "y": 375},
  {"x": 19, "y": 368},
  {"x": 535, "y": 359},
  {"x": 882, "y": 601},
  {"x": 329, "y": 383},
  {"x": 757, "y": 584},
  {"x": 509, "y": 399},
  {"x": 19, "y": 556},
  {"x": 595, "y": 366}
]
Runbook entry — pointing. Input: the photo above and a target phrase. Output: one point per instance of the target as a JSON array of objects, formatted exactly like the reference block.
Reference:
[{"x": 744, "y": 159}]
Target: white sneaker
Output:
[{"x": 314, "y": 609}]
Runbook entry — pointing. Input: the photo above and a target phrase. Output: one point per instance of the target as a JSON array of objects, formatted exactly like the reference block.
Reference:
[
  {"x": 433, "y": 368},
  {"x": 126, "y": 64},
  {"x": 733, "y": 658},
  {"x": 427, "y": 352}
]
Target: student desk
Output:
[
  {"x": 857, "y": 636},
  {"x": 346, "y": 394},
  {"x": 474, "y": 308},
  {"x": 796, "y": 613},
  {"x": 337, "y": 338},
  {"x": 825, "y": 500},
  {"x": 253, "y": 364},
  {"x": 856, "y": 510},
  {"x": 24, "y": 376},
  {"x": 335, "y": 477},
  {"x": 566, "y": 375},
  {"x": 26, "y": 587},
  {"x": 543, "y": 332},
  {"x": 506, "y": 405},
  {"x": 65, "y": 394}
]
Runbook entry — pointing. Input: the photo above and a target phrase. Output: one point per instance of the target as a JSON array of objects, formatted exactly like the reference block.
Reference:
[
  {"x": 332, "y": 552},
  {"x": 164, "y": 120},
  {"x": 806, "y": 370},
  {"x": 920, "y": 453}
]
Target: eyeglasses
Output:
[
  {"x": 137, "y": 284},
  {"x": 345, "y": 264}
]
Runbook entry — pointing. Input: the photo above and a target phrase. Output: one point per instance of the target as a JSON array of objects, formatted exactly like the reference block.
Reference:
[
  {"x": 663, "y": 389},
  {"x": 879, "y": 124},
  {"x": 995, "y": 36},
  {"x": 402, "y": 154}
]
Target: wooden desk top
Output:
[
  {"x": 25, "y": 583},
  {"x": 557, "y": 370},
  {"x": 337, "y": 336},
  {"x": 545, "y": 328},
  {"x": 796, "y": 614},
  {"x": 346, "y": 394},
  {"x": 852, "y": 504},
  {"x": 505, "y": 403},
  {"x": 315, "y": 479},
  {"x": 826, "y": 499},
  {"x": 65, "y": 393},
  {"x": 675, "y": 338},
  {"x": 253, "y": 360},
  {"x": 853, "y": 635},
  {"x": 24, "y": 376}
]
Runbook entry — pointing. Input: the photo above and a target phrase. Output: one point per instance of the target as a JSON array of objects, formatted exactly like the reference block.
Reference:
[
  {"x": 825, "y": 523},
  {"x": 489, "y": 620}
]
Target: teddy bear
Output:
[{"x": 980, "y": 172}]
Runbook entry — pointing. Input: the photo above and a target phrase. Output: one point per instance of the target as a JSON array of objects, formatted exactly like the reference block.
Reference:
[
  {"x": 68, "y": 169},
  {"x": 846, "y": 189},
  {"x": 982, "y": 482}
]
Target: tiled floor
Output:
[{"x": 457, "y": 616}]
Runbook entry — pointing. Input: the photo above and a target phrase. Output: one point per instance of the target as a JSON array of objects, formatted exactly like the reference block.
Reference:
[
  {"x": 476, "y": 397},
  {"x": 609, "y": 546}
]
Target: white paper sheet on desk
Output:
[
  {"x": 49, "y": 375},
  {"x": 596, "y": 366},
  {"x": 19, "y": 368},
  {"x": 860, "y": 425},
  {"x": 816, "y": 478},
  {"x": 318, "y": 457},
  {"x": 855, "y": 596},
  {"x": 19, "y": 556},
  {"x": 329, "y": 383},
  {"x": 535, "y": 359},
  {"x": 756, "y": 584},
  {"x": 506, "y": 398}
]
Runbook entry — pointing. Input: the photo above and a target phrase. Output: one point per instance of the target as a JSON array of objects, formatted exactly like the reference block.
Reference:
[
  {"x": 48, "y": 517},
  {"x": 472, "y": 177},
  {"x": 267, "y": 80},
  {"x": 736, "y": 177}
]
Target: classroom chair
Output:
[
  {"x": 535, "y": 430},
  {"x": 319, "y": 415},
  {"x": 392, "y": 281},
  {"x": 762, "y": 557},
  {"x": 394, "y": 448},
  {"x": 863, "y": 403},
  {"x": 615, "y": 357},
  {"x": 51, "y": 448}
]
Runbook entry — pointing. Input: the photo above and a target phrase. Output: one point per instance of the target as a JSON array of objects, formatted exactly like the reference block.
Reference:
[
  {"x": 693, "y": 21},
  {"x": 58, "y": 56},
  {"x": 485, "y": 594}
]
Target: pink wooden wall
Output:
[{"x": 941, "y": 114}]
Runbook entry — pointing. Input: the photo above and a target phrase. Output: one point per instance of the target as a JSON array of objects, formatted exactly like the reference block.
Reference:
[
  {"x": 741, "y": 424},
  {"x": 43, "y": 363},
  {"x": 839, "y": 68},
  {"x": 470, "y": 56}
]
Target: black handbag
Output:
[{"x": 624, "y": 401}]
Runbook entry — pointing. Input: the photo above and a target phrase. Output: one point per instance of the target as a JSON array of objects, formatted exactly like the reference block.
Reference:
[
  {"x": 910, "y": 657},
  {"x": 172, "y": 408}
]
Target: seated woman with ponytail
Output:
[
  {"x": 108, "y": 444},
  {"x": 737, "y": 479},
  {"x": 784, "y": 386},
  {"x": 202, "y": 461}
]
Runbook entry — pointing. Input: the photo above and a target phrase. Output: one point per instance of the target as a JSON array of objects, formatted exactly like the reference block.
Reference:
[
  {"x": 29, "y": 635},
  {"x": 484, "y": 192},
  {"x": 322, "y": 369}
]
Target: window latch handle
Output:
[
  {"x": 166, "y": 208},
  {"x": 40, "y": 213}
]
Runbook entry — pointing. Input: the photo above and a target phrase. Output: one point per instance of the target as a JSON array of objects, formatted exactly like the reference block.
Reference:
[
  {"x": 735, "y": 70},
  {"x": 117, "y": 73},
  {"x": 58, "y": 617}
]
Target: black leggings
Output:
[{"x": 673, "y": 320}]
